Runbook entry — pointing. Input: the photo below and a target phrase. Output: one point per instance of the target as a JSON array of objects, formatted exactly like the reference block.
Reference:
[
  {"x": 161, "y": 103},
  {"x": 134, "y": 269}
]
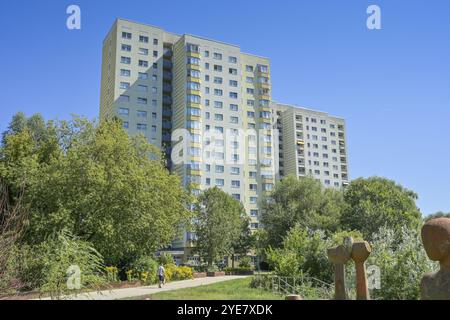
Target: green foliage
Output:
[
  {"x": 218, "y": 225},
  {"x": 245, "y": 263},
  {"x": 303, "y": 201},
  {"x": 165, "y": 258},
  {"x": 97, "y": 182},
  {"x": 377, "y": 202},
  {"x": 148, "y": 265},
  {"x": 439, "y": 214},
  {"x": 402, "y": 261},
  {"x": 112, "y": 274}
]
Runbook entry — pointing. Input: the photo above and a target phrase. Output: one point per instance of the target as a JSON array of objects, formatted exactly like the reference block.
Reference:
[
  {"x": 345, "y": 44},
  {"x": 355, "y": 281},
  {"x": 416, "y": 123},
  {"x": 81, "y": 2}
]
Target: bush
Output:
[
  {"x": 145, "y": 269},
  {"x": 165, "y": 258},
  {"x": 245, "y": 263},
  {"x": 63, "y": 258},
  {"x": 174, "y": 273}
]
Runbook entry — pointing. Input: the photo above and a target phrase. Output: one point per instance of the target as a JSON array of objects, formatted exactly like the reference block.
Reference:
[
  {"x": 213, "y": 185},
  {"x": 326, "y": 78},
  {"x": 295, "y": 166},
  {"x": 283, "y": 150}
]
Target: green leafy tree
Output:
[
  {"x": 244, "y": 243},
  {"x": 300, "y": 201},
  {"x": 218, "y": 224},
  {"x": 95, "y": 181},
  {"x": 376, "y": 202}
]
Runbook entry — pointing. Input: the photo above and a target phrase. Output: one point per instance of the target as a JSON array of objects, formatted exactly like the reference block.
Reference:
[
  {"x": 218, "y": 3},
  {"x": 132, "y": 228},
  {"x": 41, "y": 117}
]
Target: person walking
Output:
[{"x": 161, "y": 275}]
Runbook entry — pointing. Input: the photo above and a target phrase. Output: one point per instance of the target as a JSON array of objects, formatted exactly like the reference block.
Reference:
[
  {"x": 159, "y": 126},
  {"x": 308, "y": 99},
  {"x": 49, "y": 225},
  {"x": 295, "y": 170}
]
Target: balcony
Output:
[
  {"x": 167, "y": 64},
  {"x": 167, "y": 100},
  {"x": 167, "y": 112},
  {"x": 166, "y": 137},
  {"x": 168, "y": 53},
  {"x": 167, "y": 125},
  {"x": 167, "y": 88},
  {"x": 167, "y": 76}
]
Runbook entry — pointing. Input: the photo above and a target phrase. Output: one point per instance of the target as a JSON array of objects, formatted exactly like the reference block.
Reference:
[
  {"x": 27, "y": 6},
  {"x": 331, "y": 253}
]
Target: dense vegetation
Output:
[{"x": 78, "y": 194}]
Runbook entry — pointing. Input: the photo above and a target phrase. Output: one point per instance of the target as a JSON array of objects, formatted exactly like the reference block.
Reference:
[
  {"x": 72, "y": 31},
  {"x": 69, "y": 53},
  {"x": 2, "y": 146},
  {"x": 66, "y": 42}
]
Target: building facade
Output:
[
  {"x": 311, "y": 143},
  {"x": 208, "y": 106}
]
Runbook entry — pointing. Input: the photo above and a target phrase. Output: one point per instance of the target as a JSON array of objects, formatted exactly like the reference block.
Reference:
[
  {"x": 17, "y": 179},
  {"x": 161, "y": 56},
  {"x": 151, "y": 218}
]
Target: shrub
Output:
[
  {"x": 148, "y": 265},
  {"x": 66, "y": 258},
  {"x": 112, "y": 274},
  {"x": 165, "y": 258},
  {"x": 245, "y": 263}
]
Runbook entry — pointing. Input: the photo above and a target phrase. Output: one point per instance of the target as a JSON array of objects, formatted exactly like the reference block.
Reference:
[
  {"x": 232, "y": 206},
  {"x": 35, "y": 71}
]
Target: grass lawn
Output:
[{"x": 227, "y": 290}]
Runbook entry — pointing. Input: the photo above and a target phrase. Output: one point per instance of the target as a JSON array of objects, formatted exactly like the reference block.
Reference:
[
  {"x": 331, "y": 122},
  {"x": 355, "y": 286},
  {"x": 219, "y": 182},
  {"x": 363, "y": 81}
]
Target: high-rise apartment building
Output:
[
  {"x": 208, "y": 105},
  {"x": 311, "y": 143}
]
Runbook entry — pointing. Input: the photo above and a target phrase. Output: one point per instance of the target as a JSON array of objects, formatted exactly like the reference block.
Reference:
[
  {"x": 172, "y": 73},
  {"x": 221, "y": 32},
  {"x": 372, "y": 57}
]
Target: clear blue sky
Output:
[{"x": 392, "y": 85}]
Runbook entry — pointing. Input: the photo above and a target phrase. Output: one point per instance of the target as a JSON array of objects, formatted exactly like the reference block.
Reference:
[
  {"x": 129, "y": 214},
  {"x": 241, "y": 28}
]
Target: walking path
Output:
[{"x": 116, "y": 294}]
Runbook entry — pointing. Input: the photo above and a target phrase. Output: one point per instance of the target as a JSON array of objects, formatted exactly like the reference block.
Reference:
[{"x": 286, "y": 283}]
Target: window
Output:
[
  {"x": 143, "y": 63},
  {"x": 193, "y": 98},
  {"x": 125, "y": 73},
  {"x": 235, "y": 184},
  {"x": 193, "y": 86},
  {"x": 220, "y": 182},
  {"x": 142, "y": 100},
  {"x": 253, "y": 187},
  {"x": 126, "y": 47},
  {"x": 207, "y": 90},
  {"x": 124, "y": 85},
  {"x": 193, "y": 125},
  {"x": 236, "y": 196},
  {"x": 254, "y": 213},
  {"x": 218, "y": 92},
  {"x": 233, "y": 83},
  {"x": 207, "y": 66},
  {"x": 220, "y": 169},
  {"x": 124, "y": 98},
  {"x": 143, "y": 39},
  {"x": 207, "y": 78},
  {"x": 126, "y": 35},
  {"x": 263, "y": 68},
  {"x": 206, "y": 54},
  {"x": 207, "y": 102},
  {"x": 234, "y": 107},
  {"x": 250, "y": 91},
  {"x": 142, "y": 127},
  {"x": 218, "y": 104},
  {"x": 232, "y": 59},
  {"x": 233, "y": 71},
  {"x": 154, "y": 90},
  {"x": 218, "y": 117},
  {"x": 193, "y": 61},
  {"x": 217, "y": 68},
  {"x": 254, "y": 225},
  {"x": 124, "y": 111},
  {"x": 251, "y": 103},
  {"x": 235, "y": 170},
  {"x": 142, "y": 114},
  {"x": 252, "y": 174},
  {"x": 217, "y": 56},
  {"x": 208, "y": 181},
  {"x": 194, "y": 111},
  {"x": 154, "y": 77},
  {"x": 193, "y": 73},
  {"x": 249, "y": 79},
  {"x": 155, "y": 42},
  {"x": 233, "y": 95},
  {"x": 126, "y": 125},
  {"x": 142, "y": 88},
  {"x": 154, "y": 116},
  {"x": 249, "y": 68},
  {"x": 234, "y": 120},
  {"x": 143, "y": 51},
  {"x": 218, "y": 80},
  {"x": 253, "y": 200},
  {"x": 143, "y": 76},
  {"x": 192, "y": 48},
  {"x": 155, "y": 66}
]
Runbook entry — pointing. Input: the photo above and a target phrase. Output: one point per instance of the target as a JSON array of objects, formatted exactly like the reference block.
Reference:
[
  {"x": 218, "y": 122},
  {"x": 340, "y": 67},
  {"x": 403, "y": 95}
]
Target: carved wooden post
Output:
[
  {"x": 339, "y": 256},
  {"x": 360, "y": 253}
]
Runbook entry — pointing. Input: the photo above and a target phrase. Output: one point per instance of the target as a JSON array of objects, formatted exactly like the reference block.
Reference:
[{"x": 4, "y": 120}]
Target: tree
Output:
[
  {"x": 439, "y": 214},
  {"x": 218, "y": 224},
  {"x": 300, "y": 201},
  {"x": 376, "y": 202},
  {"x": 244, "y": 243},
  {"x": 97, "y": 182}
]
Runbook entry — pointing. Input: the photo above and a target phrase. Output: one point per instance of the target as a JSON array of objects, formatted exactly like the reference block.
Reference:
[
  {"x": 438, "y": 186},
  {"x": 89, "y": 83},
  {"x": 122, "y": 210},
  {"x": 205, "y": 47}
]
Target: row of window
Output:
[
  {"x": 142, "y": 39},
  {"x": 141, "y": 75},
  {"x": 140, "y": 127}
]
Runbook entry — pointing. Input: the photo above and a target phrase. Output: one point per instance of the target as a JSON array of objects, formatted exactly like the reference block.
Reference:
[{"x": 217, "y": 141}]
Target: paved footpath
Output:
[{"x": 143, "y": 291}]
